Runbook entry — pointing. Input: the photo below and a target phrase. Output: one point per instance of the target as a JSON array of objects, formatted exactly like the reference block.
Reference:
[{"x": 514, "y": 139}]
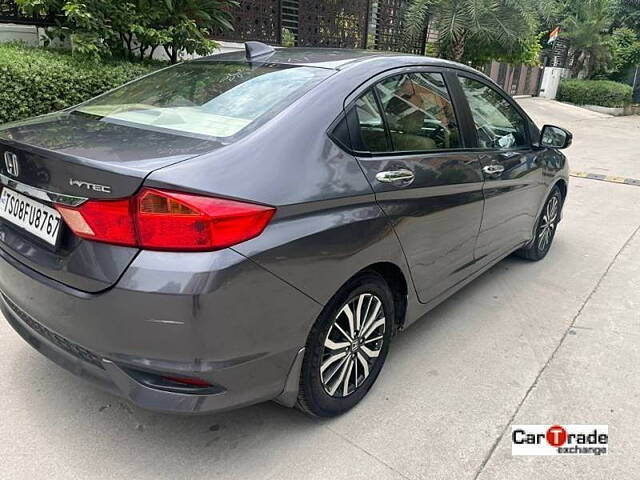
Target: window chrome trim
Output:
[{"x": 42, "y": 194}]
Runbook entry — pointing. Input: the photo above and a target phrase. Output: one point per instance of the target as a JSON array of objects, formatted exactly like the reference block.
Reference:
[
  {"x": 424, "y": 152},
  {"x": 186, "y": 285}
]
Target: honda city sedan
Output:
[{"x": 258, "y": 225}]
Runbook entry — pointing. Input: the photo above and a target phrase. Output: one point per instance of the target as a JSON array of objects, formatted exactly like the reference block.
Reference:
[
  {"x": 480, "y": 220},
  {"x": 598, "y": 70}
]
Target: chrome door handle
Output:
[
  {"x": 493, "y": 170},
  {"x": 403, "y": 175}
]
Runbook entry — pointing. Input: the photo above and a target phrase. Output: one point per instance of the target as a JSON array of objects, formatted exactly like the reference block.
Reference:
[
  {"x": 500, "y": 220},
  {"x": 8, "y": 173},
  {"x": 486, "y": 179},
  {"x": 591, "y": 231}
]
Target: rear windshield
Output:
[{"x": 210, "y": 99}]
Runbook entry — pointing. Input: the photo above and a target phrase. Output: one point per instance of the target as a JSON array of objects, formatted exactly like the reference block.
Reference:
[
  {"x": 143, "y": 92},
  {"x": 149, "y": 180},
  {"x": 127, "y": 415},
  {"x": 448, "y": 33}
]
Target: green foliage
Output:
[
  {"x": 626, "y": 13},
  {"x": 595, "y": 92},
  {"x": 526, "y": 53},
  {"x": 415, "y": 17},
  {"x": 586, "y": 25},
  {"x": 431, "y": 49},
  {"x": 514, "y": 31},
  {"x": 188, "y": 23},
  {"x": 550, "y": 13},
  {"x": 288, "y": 38},
  {"x": 476, "y": 31},
  {"x": 99, "y": 28},
  {"x": 625, "y": 50},
  {"x": 34, "y": 81}
]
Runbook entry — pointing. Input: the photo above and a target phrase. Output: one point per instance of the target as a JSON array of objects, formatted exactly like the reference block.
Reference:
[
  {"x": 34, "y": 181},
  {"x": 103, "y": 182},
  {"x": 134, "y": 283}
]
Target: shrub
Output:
[
  {"x": 595, "y": 92},
  {"x": 34, "y": 81},
  {"x": 105, "y": 28}
]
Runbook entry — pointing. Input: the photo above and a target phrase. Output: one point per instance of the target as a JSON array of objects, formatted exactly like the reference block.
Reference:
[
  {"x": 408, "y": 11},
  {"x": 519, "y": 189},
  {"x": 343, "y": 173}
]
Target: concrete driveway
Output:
[
  {"x": 602, "y": 144},
  {"x": 526, "y": 343}
]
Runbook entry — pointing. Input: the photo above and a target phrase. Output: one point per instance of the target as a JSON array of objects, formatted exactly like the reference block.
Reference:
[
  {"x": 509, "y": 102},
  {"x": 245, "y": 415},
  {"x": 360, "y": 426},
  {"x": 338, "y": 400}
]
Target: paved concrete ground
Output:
[
  {"x": 527, "y": 343},
  {"x": 602, "y": 143}
]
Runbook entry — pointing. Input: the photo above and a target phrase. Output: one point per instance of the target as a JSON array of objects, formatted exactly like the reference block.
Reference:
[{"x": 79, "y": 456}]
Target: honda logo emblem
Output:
[{"x": 11, "y": 162}]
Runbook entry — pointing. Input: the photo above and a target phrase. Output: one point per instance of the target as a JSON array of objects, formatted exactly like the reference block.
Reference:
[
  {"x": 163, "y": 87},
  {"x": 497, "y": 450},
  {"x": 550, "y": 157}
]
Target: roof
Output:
[{"x": 333, "y": 58}]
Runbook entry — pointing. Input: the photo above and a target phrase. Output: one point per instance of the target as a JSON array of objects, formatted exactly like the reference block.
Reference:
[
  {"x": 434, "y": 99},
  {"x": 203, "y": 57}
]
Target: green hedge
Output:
[
  {"x": 595, "y": 92},
  {"x": 34, "y": 81}
]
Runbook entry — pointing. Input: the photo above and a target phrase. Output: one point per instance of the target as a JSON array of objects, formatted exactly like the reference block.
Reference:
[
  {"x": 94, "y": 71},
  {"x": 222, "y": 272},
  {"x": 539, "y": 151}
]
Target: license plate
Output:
[{"x": 30, "y": 215}]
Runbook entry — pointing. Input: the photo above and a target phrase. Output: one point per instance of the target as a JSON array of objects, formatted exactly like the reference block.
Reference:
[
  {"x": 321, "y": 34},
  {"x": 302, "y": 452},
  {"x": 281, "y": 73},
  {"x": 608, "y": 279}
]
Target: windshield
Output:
[{"x": 211, "y": 99}]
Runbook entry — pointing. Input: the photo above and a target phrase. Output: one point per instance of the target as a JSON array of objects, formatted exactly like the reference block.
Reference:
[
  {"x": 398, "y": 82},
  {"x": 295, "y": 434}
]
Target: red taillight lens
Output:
[
  {"x": 160, "y": 220},
  {"x": 168, "y": 220},
  {"x": 105, "y": 221}
]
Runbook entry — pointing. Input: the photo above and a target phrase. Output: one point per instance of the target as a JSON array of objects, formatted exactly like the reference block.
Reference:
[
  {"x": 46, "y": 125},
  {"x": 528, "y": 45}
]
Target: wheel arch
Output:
[
  {"x": 395, "y": 279},
  {"x": 562, "y": 185},
  {"x": 393, "y": 275}
]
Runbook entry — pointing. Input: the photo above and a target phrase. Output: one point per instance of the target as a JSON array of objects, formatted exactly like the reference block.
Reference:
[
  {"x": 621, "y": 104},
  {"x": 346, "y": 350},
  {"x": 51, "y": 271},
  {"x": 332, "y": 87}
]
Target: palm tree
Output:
[
  {"x": 503, "y": 24},
  {"x": 586, "y": 28}
]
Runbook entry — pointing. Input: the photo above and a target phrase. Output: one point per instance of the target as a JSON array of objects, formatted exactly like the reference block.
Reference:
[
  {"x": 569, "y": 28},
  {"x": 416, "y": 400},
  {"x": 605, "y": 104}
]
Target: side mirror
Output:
[{"x": 555, "y": 137}]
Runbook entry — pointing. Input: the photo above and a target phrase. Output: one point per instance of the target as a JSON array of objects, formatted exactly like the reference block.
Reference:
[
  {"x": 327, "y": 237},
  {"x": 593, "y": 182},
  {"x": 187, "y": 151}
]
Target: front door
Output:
[
  {"x": 514, "y": 184},
  {"x": 413, "y": 154}
]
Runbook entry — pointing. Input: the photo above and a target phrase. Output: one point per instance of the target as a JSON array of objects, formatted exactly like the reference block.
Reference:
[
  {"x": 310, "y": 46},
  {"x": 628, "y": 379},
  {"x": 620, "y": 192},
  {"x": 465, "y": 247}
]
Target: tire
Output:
[
  {"x": 538, "y": 248},
  {"x": 335, "y": 354}
]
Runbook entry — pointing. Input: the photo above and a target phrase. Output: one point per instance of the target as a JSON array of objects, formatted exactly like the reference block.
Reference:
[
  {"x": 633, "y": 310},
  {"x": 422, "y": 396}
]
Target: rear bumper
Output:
[{"x": 215, "y": 316}]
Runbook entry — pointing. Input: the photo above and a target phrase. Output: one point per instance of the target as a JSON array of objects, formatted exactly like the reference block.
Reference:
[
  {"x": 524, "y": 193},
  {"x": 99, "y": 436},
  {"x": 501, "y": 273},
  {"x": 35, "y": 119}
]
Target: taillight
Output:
[
  {"x": 105, "y": 221},
  {"x": 162, "y": 220}
]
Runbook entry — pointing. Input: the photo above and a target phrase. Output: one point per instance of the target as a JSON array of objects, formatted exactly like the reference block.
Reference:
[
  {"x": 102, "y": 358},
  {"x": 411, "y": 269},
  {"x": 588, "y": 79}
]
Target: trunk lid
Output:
[{"x": 78, "y": 156}]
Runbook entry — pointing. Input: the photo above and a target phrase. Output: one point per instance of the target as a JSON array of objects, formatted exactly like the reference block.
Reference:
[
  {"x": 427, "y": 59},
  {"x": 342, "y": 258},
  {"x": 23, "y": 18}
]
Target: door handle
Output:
[
  {"x": 403, "y": 175},
  {"x": 493, "y": 170}
]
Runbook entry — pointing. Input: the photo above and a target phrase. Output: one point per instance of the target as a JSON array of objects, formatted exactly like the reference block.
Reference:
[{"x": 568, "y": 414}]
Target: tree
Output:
[
  {"x": 626, "y": 13},
  {"x": 478, "y": 30},
  {"x": 549, "y": 13},
  {"x": 527, "y": 52},
  {"x": 136, "y": 27},
  {"x": 188, "y": 23},
  {"x": 586, "y": 27},
  {"x": 625, "y": 50}
]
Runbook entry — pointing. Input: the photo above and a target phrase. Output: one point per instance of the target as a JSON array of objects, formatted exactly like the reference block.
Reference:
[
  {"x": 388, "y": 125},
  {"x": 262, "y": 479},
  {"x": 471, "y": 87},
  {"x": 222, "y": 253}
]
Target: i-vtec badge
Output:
[{"x": 89, "y": 186}]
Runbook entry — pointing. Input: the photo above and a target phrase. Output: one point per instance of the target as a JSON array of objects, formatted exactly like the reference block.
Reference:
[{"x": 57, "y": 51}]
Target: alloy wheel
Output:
[
  {"x": 352, "y": 345},
  {"x": 548, "y": 223}
]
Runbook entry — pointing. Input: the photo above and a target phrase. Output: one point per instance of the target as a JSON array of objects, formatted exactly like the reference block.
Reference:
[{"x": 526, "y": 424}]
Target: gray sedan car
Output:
[{"x": 258, "y": 225}]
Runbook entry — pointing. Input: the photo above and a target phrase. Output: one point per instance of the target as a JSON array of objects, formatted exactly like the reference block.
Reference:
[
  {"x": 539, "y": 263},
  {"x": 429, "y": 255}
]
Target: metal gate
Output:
[{"x": 376, "y": 24}]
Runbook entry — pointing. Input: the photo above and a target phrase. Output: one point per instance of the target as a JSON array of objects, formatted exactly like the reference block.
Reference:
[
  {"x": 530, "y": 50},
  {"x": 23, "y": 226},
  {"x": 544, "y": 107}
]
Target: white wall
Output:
[
  {"x": 28, "y": 34},
  {"x": 551, "y": 81},
  {"x": 10, "y": 32}
]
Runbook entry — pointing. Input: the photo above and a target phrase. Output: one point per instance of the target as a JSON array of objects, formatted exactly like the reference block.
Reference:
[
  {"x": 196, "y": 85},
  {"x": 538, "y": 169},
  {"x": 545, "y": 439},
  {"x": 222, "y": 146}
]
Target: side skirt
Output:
[{"x": 418, "y": 311}]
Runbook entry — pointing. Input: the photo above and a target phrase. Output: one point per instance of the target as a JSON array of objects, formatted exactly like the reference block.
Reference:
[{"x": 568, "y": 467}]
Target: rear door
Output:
[
  {"x": 514, "y": 180},
  {"x": 408, "y": 141}
]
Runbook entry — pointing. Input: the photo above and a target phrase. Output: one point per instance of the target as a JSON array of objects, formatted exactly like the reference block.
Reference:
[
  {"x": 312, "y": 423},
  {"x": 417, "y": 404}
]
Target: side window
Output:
[
  {"x": 498, "y": 123},
  {"x": 372, "y": 131},
  {"x": 419, "y": 112}
]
